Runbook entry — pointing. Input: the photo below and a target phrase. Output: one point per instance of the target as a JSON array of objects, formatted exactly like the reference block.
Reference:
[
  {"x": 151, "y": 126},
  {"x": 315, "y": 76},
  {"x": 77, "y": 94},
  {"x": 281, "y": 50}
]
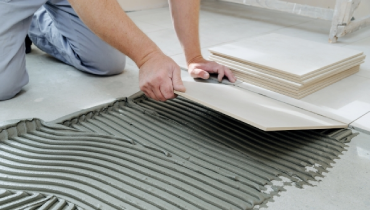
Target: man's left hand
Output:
[{"x": 201, "y": 68}]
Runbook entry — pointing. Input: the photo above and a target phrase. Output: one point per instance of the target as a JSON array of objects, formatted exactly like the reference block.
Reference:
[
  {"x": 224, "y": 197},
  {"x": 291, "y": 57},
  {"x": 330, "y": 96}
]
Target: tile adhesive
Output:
[{"x": 136, "y": 153}]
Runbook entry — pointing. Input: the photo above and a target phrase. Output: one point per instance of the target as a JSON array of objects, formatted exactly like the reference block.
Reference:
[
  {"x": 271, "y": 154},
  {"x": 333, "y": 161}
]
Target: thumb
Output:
[
  {"x": 199, "y": 73},
  {"x": 177, "y": 82}
]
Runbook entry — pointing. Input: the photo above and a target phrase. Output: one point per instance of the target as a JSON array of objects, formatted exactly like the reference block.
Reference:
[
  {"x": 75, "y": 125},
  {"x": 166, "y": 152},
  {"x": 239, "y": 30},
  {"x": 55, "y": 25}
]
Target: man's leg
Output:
[
  {"x": 15, "y": 16},
  {"x": 57, "y": 30}
]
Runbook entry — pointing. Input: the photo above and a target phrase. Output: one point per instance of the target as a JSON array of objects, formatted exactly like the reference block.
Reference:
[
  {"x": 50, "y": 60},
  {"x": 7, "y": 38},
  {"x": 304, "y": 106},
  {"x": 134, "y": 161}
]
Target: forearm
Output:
[
  {"x": 185, "y": 15},
  {"x": 108, "y": 21}
]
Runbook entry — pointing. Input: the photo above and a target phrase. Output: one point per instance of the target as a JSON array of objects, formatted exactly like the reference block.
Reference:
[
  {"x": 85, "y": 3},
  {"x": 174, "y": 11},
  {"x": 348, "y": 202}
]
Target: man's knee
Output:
[
  {"x": 10, "y": 86},
  {"x": 113, "y": 66},
  {"x": 106, "y": 63}
]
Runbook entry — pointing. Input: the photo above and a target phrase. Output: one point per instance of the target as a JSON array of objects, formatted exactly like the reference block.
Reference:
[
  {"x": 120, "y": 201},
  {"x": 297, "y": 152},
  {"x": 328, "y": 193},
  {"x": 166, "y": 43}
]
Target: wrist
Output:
[
  {"x": 150, "y": 54},
  {"x": 194, "y": 59}
]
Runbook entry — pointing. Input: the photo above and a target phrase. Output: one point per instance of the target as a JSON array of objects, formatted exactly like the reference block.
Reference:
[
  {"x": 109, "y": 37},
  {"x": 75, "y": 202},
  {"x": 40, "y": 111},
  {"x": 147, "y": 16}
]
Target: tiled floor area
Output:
[{"x": 56, "y": 90}]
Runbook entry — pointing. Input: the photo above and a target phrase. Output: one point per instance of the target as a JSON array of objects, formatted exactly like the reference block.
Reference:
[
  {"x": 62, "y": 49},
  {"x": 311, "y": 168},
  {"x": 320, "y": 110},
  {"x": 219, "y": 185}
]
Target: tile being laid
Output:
[
  {"x": 278, "y": 53},
  {"x": 257, "y": 110},
  {"x": 362, "y": 124},
  {"x": 344, "y": 101}
]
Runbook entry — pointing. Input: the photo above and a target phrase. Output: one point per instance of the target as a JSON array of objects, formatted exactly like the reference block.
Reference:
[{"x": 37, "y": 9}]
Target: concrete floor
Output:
[{"x": 56, "y": 90}]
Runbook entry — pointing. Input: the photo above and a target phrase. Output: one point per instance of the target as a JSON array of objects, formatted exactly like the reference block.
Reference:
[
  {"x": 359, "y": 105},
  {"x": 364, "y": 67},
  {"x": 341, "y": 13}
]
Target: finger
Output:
[
  {"x": 221, "y": 73},
  {"x": 176, "y": 80},
  {"x": 167, "y": 89},
  {"x": 150, "y": 94},
  {"x": 158, "y": 94},
  {"x": 229, "y": 74},
  {"x": 199, "y": 73}
]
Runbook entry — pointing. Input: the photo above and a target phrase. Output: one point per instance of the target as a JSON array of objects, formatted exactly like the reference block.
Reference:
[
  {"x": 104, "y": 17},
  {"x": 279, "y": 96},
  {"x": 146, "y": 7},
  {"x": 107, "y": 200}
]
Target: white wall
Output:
[
  {"x": 134, "y": 5},
  {"x": 363, "y": 9},
  {"x": 316, "y": 3}
]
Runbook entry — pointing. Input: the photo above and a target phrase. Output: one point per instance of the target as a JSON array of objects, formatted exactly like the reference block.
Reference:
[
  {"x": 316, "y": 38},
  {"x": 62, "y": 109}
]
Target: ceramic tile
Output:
[
  {"x": 282, "y": 79},
  {"x": 217, "y": 33},
  {"x": 363, "y": 45},
  {"x": 56, "y": 89},
  {"x": 348, "y": 98},
  {"x": 362, "y": 124},
  {"x": 279, "y": 53},
  {"x": 231, "y": 22},
  {"x": 140, "y": 5},
  {"x": 143, "y": 14},
  {"x": 159, "y": 17},
  {"x": 365, "y": 69},
  {"x": 181, "y": 60},
  {"x": 302, "y": 92},
  {"x": 254, "y": 13},
  {"x": 147, "y": 28},
  {"x": 167, "y": 41},
  {"x": 344, "y": 101},
  {"x": 254, "y": 109}
]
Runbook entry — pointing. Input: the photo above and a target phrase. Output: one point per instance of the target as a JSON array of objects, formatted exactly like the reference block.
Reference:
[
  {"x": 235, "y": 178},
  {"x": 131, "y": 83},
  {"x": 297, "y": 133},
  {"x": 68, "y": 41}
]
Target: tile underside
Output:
[
  {"x": 137, "y": 153},
  {"x": 257, "y": 110},
  {"x": 362, "y": 124}
]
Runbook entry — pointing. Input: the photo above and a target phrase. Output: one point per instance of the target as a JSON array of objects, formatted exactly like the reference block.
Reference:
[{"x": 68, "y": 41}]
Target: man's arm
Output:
[
  {"x": 159, "y": 75},
  {"x": 185, "y": 16}
]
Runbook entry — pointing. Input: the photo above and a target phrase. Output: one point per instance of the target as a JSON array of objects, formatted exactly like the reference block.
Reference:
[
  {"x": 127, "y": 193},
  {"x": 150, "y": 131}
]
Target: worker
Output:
[{"x": 94, "y": 36}]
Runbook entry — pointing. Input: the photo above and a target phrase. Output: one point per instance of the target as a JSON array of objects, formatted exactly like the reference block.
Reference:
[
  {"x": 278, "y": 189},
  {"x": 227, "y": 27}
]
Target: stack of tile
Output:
[{"x": 290, "y": 66}]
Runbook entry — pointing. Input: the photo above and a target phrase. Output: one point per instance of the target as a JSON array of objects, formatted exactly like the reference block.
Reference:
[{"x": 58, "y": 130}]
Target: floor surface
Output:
[{"x": 56, "y": 89}]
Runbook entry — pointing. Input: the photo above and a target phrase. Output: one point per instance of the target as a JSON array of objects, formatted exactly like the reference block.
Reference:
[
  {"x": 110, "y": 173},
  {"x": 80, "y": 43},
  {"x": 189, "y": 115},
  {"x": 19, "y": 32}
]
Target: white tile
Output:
[
  {"x": 362, "y": 124},
  {"x": 286, "y": 55},
  {"x": 146, "y": 27},
  {"x": 142, "y": 14},
  {"x": 167, "y": 41},
  {"x": 348, "y": 98},
  {"x": 365, "y": 68},
  {"x": 344, "y": 101},
  {"x": 298, "y": 93},
  {"x": 259, "y": 111},
  {"x": 363, "y": 45},
  {"x": 275, "y": 77},
  {"x": 181, "y": 60},
  {"x": 160, "y": 17},
  {"x": 56, "y": 89},
  {"x": 129, "y": 5},
  {"x": 218, "y": 33},
  {"x": 247, "y": 12}
]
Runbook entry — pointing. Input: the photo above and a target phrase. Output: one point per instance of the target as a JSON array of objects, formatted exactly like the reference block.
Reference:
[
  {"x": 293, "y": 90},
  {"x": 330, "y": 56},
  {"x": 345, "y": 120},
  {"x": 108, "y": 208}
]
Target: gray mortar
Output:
[
  {"x": 136, "y": 153},
  {"x": 28, "y": 201}
]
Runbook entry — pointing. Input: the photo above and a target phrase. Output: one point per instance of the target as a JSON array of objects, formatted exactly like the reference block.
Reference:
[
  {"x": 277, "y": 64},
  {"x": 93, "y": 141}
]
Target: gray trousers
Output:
[{"x": 54, "y": 27}]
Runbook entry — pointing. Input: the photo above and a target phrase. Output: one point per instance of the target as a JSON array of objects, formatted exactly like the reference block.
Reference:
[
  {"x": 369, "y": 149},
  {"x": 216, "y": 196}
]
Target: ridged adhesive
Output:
[{"x": 137, "y": 153}]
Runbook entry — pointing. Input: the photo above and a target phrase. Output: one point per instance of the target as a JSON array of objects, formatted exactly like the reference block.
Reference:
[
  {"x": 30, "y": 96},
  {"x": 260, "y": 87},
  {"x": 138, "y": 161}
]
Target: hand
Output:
[
  {"x": 200, "y": 68},
  {"x": 159, "y": 76}
]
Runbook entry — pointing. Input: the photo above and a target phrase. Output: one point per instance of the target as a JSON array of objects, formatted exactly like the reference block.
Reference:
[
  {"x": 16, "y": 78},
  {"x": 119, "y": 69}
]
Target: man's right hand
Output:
[{"x": 159, "y": 76}]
